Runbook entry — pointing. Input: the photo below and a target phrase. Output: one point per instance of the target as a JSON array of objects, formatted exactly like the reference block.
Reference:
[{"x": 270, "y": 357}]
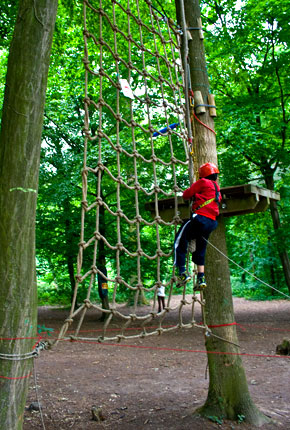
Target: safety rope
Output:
[
  {"x": 198, "y": 351},
  {"x": 37, "y": 396},
  {"x": 26, "y": 355},
  {"x": 246, "y": 271}
]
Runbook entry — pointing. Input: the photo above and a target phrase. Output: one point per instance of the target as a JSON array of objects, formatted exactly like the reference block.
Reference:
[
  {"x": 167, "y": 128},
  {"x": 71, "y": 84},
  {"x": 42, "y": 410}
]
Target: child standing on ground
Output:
[
  {"x": 205, "y": 208},
  {"x": 161, "y": 298}
]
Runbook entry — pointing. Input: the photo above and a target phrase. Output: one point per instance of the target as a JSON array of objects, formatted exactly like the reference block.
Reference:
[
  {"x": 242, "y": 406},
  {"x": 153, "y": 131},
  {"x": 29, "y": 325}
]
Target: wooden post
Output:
[
  {"x": 198, "y": 103},
  {"x": 211, "y": 102}
]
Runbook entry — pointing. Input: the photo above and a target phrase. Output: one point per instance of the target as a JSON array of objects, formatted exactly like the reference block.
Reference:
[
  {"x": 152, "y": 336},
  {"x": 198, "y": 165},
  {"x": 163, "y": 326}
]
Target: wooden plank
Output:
[{"x": 237, "y": 200}]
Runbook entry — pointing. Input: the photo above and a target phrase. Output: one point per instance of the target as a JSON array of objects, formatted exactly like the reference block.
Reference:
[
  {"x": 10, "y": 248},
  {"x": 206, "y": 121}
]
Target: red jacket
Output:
[{"x": 201, "y": 191}]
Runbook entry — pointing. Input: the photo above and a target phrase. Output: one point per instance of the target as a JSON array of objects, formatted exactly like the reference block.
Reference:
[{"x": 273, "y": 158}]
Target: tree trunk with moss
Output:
[
  {"x": 228, "y": 395},
  {"x": 20, "y": 142}
]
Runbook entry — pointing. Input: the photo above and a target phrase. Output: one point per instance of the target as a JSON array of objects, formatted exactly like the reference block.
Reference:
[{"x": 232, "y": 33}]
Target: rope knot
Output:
[
  {"x": 86, "y": 63},
  {"x": 148, "y": 100},
  {"x": 87, "y": 303},
  {"x": 101, "y": 11},
  {"x": 120, "y": 246},
  {"x": 100, "y": 133},
  {"x": 97, "y": 235},
  {"x": 118, "y": 148},
  {"x": 173, "y": 160},
  {"x": 154, "y": 158},
  {"x": 69, "y": 321},
  {"x": 100, "y": 166},
  {"x": 159, "y": 253},
  {"x": 119, "y": 212},
  {"x": 87, "y": 100},
  {"x": 99, "y": 201},
  {"x": 87, "y": 132},
  {"x": 138, "y": 218},
  {"x": 79, "y": 278},
  {"x": 82, "y": 244},
  {"x": 133, "y": 317},
  {"x": 85, "y": 205},
  {"x": 137, "y": 186},
  {"x": 94, "y": 269},
  {"x": 158, "y": 219},
  {"x": 85, "y": 172},
  {"x": 157, "y": 189},
  {"x": 102, "y": 71},
  {"x": 118, "y": 279}
]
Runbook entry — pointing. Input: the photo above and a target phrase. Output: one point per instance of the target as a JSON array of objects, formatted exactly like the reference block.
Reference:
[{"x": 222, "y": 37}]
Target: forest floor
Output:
[{"x": 157, "y": 382}]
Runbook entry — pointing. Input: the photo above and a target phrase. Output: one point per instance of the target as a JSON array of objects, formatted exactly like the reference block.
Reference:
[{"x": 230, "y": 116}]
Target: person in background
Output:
[{"x": 161, "y": 297}]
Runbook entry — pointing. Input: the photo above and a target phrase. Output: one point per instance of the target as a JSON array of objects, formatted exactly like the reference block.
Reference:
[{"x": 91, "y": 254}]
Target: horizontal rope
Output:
[
  {"x": 26, "y": 355},
  {"x": 16, "y": 377},
  {"x": 185, "y": 350}
]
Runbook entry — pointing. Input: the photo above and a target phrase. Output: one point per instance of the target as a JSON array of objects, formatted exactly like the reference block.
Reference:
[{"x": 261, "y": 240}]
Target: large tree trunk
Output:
[
  {"x": 20, "y": 142},
  {"x": 284, "y": 257},
  {"x": 228, "y": 394}
]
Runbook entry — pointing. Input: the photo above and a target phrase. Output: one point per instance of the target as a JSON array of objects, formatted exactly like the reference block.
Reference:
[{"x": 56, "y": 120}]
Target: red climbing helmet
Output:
[{"x": 207, "y": 169}]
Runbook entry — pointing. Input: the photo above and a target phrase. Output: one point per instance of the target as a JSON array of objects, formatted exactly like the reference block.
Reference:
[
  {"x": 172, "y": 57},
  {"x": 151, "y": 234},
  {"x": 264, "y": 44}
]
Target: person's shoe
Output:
[
  {"x": 183, "y": 278},
  {"x": 200, "y": 284}
]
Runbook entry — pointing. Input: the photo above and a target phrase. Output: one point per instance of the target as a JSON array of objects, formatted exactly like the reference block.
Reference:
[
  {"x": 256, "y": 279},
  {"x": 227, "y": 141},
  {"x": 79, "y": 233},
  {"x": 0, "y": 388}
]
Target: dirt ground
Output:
[{"x": 157, "y": 382}]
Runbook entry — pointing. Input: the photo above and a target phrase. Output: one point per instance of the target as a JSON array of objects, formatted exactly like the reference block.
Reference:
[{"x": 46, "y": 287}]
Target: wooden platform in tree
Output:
[{"x": 236, "y": 200}]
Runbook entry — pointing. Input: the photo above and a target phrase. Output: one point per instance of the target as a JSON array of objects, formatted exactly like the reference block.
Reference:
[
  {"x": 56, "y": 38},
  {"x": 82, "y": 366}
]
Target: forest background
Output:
[{"x": 248, "y": 63}]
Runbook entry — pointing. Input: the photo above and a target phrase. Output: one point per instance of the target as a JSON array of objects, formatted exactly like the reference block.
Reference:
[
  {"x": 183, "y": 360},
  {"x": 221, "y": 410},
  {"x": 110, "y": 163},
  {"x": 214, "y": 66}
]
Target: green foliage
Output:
[
  {"x": 248, "y": 51},
  {"x": 215, "y": 419},
  {"x": 241, "y": 418},
  {"x": 247, "y": 47}
]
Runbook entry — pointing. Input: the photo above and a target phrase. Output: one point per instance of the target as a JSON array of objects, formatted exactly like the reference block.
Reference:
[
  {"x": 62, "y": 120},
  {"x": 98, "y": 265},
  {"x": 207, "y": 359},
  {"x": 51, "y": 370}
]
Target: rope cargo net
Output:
[{"x": 135, "y": 148}]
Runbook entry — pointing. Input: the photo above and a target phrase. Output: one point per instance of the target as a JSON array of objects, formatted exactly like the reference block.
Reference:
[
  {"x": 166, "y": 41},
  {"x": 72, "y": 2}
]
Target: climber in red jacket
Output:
[{"x": 206, "y": 196}]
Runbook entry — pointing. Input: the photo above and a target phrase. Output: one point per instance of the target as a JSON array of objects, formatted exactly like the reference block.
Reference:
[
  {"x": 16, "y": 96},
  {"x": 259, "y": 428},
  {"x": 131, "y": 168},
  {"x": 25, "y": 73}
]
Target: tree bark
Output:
[
  {"x": 228, "y": 395},
  {"x": 20, "y": 142}
]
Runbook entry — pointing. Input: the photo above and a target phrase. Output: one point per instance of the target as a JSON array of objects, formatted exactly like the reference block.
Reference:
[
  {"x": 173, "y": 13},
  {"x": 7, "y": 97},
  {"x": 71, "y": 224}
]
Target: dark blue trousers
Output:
[{"x": 198, "y": 227}]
